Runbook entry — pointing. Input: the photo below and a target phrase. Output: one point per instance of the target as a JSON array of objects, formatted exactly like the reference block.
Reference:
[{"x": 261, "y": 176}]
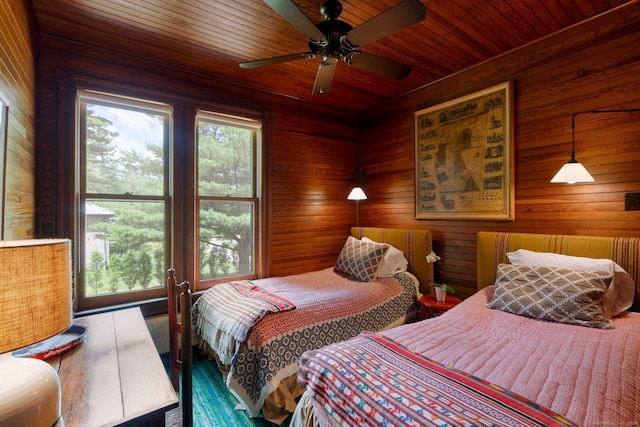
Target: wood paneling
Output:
[
  {"x": 309, "y": 156},
  {"x": 311, "y": 143},
  {"x": 591, "y": 66},
  {"x": 17, "y": 89},
  {"x": 214, "y": 36}
]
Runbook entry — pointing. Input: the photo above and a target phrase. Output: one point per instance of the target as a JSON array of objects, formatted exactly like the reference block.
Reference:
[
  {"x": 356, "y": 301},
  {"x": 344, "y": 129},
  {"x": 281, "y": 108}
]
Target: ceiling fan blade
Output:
[
  {"x": 400, "y": 16},
  {"x": 277, "y": 60},
  {"x": 324, "y": 77},
  {"x": 379, "y": 65},
  {"x": 289, "y": 11}
]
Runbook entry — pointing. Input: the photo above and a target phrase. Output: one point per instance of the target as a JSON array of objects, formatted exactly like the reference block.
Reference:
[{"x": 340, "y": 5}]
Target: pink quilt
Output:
[
  {"x": 329, "y": 308},
  {"x": 589, "y": 376},
  {"x": 371, "y": 379}
]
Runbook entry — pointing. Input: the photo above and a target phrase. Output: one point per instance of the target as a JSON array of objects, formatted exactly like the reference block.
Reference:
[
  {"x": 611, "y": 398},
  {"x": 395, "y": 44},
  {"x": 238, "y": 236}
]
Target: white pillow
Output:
[
  {"x": 620, "y": 293},
  {"x": 393, "y": 262}
]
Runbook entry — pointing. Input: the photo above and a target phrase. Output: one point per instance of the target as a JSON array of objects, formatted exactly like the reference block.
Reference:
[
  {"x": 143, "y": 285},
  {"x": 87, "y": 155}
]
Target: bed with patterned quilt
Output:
[
  {"x": 257, "y": 329},
  {"x": 549, "y": 339}
]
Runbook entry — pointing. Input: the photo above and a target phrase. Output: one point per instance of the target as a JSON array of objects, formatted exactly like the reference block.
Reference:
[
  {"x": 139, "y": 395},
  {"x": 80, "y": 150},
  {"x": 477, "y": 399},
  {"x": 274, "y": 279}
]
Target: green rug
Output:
[{"x": 213, "y": 404}]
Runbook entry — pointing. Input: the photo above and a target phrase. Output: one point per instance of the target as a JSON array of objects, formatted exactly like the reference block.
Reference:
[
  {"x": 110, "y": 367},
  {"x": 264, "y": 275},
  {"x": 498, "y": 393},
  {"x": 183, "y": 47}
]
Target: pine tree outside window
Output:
[{"x": 126, "y": 182}]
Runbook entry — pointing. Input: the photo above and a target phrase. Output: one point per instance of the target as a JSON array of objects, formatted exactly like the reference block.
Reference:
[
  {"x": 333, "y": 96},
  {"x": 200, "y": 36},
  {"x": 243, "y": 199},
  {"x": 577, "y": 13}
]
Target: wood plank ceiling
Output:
[{"x": 214, "y": 36}]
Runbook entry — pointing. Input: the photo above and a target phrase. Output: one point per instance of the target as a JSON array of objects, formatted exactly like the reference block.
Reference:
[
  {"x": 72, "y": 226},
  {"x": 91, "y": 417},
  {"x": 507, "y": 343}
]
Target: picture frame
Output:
[{"x": 464, "y": 157}]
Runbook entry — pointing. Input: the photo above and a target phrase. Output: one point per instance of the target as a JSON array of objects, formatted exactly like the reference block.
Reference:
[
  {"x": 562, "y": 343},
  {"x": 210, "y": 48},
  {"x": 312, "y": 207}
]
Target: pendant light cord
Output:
[{"x": 573, "y": 125}]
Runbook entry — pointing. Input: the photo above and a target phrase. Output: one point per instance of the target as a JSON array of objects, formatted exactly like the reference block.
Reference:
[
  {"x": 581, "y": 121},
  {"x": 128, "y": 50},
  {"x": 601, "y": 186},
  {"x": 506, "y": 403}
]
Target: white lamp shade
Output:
[
  {"x": 357, "y": 194},
  {"x": 571, "y": 173}
]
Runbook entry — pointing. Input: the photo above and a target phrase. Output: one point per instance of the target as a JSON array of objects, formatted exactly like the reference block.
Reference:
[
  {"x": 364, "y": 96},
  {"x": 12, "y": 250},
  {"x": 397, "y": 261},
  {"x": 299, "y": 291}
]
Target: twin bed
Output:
[
  {"x": 257, "y": 330},
  {"x": 476, "y": 365},
  {"x": 547, "y": 340}
]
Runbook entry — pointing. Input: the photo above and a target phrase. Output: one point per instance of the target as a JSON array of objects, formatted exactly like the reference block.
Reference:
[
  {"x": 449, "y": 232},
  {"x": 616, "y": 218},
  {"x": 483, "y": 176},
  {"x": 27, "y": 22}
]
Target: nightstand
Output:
[{"x": 429, "y": 307}]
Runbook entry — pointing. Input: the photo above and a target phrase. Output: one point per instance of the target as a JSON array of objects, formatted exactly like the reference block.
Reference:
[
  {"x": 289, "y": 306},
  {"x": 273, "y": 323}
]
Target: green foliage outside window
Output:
[{"x": 125, "y": 209}]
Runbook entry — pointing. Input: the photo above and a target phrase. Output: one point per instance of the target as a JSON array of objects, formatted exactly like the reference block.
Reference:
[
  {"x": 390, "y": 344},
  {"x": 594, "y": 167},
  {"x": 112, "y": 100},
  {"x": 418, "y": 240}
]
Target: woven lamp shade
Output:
[{"x": 35, "y": 291}]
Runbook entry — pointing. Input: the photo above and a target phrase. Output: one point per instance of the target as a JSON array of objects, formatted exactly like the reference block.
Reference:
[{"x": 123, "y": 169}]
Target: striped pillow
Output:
[
  {"x": 361, "y": 259},
  {"x": 551, "y": 293}
]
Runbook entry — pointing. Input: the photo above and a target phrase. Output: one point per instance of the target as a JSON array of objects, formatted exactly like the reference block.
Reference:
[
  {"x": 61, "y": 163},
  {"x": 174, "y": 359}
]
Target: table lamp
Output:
[{"x": 35, "y": 304}]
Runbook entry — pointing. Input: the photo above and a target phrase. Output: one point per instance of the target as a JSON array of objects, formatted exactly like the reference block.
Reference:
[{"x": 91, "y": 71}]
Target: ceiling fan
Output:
[{"x": 333, "y": 39}]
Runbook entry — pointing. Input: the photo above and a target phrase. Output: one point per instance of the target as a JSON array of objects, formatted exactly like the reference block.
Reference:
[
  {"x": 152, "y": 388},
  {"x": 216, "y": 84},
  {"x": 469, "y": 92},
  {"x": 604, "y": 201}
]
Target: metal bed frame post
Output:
[{"x": 180, "y": 356}]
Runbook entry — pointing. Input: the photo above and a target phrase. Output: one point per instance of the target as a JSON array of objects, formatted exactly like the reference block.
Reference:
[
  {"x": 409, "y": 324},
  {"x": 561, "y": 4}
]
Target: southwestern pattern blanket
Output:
[{"x": 329, "y": 308}]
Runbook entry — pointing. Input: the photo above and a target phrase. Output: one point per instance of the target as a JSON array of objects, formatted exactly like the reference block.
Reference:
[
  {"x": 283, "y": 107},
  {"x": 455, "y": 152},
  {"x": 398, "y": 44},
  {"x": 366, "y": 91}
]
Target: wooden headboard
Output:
[
  {"x": 415, "y": 244},
  {"x": 493, "y": 246}
]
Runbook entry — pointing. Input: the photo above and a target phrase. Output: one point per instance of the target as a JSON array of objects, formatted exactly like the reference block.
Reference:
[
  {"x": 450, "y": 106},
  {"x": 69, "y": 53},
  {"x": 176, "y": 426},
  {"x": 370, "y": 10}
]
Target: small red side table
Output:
[{"x": 429, "y": 307}]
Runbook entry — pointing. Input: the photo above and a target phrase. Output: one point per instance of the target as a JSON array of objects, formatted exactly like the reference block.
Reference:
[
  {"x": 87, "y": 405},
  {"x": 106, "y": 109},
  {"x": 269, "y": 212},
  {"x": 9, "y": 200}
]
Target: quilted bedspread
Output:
[
  {"x": 589, "y": 376},
  {"x": 372, "y": 380},
  {"x": 238, "y": 307},
  {"x": 329, "y": 308}
]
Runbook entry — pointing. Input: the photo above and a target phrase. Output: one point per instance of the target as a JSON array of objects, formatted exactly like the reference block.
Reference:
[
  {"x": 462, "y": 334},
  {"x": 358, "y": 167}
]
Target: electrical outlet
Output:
[{"x": 632, "y": 202}]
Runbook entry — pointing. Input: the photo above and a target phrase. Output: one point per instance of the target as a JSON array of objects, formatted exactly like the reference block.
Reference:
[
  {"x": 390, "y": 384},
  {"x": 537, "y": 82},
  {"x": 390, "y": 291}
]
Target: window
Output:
[
  {"x": 123, "y": 199},
  {"x": 227, "y": 196},
  {"x": 126, "y": 210}
]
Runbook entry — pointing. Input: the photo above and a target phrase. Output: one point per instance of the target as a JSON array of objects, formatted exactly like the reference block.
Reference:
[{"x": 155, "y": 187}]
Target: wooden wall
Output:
[
  {"x": 18, "y": 89},
  {"x": 595, "y": 65},
  {"x": 310, "y": 150}
]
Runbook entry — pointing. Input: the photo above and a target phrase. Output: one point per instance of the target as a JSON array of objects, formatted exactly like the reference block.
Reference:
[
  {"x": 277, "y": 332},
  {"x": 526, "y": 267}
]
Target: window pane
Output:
[
  {"x": 225, "y": 160},
  {"x": 124, "y": 246},
  {"x": 124, "y": 151},
  {"x": 226, "y": 239}
]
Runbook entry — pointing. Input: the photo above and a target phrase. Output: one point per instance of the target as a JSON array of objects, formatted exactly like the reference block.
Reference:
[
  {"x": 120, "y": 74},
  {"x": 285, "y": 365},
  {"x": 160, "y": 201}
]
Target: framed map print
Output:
[{"x": 463, "y": 157}]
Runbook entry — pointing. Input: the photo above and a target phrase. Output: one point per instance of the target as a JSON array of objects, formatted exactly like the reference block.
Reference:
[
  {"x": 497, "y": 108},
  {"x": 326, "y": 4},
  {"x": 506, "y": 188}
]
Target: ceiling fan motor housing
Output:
[{"x": 334, "y": 31}]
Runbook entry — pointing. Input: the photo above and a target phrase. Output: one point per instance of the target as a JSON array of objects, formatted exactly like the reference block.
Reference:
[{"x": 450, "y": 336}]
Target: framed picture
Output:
[{"x": 464, "y": 156}]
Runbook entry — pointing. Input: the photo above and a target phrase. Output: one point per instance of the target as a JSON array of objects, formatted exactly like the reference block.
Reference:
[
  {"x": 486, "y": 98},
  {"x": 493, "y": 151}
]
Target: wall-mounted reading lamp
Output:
[
  {"x": 357, "y": 193},
  {"x": 573, "y": 171}
]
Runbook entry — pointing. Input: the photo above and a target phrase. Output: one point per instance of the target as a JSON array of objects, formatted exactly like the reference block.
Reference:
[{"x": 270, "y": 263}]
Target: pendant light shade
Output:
[
  {"x": 572, "y": 172},
  {"x": 357, "y": 194}
]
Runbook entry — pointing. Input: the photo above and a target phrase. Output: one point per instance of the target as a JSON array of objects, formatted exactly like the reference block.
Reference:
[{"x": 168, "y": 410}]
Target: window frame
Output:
[
  {"x": 181, "y": 207},
  {"x": 255, "y": 126},
  {"x": 84, "y": 96}
]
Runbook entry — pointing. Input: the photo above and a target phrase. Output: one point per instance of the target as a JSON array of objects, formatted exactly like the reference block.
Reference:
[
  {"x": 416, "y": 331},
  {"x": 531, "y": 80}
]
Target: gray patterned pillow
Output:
[
  {"x": 361, "y": 259},
  {"x": 554, "y": 294}
]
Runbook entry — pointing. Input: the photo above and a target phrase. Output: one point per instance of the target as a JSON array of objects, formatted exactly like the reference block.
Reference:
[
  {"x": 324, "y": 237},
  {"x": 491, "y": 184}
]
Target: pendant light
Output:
[
  {"x": 357, "y": 193},
  {"x": 573, "y": 171}
]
